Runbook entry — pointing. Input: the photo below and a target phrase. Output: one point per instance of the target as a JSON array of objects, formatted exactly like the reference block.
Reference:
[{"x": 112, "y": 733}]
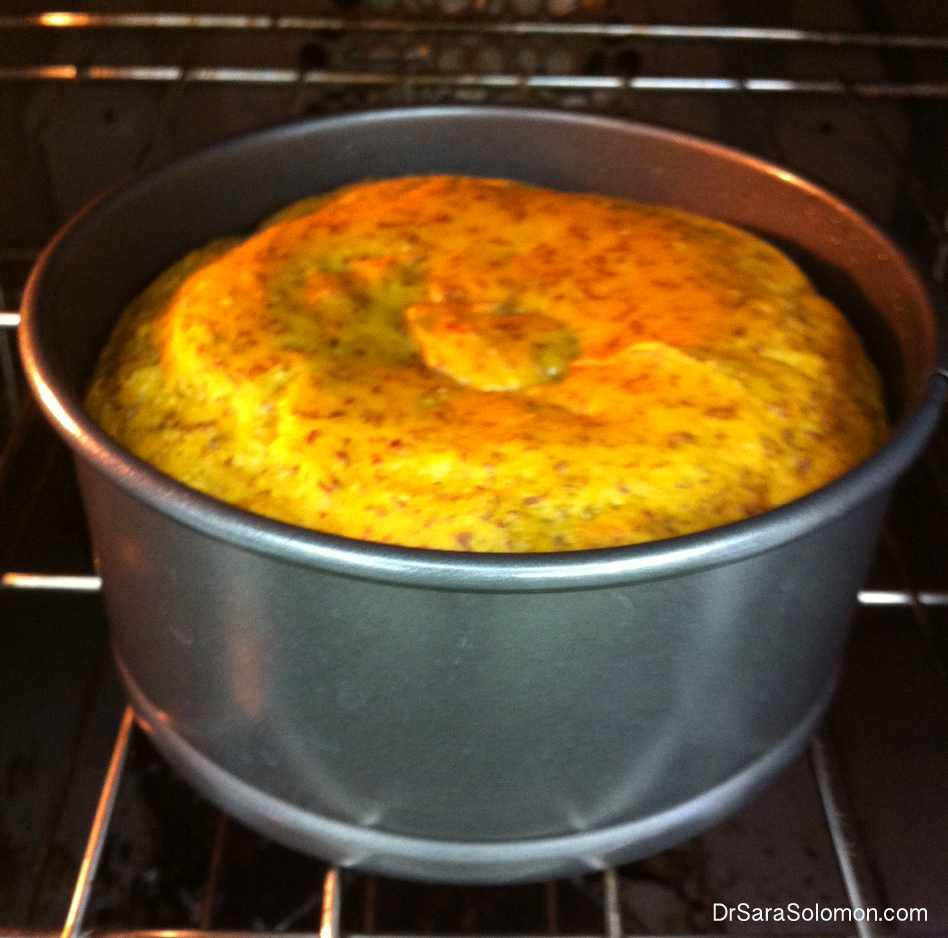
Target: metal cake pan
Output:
[{"x": 450, "y": 716}]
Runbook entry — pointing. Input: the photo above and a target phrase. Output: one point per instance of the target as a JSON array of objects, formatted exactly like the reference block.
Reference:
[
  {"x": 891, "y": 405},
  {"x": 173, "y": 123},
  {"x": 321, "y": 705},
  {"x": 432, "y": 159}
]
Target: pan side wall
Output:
[{"x": 482, "y": 716}]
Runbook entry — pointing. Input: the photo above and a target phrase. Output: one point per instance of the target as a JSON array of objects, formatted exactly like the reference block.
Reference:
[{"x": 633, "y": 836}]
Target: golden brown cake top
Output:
[{"x": 481, "y": 365}]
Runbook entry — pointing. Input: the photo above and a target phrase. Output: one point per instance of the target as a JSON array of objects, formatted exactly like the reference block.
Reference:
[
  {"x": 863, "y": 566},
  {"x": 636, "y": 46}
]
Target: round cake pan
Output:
[{"x": 463, "y": 717}]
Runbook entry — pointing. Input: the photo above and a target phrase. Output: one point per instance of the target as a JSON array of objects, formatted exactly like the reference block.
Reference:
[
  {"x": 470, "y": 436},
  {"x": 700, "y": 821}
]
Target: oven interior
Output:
[{"x": 96, "y": 832}]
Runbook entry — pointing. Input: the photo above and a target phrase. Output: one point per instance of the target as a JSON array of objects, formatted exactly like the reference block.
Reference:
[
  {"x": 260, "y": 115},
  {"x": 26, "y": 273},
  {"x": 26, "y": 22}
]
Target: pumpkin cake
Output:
[{"x": 480, "y": 365}]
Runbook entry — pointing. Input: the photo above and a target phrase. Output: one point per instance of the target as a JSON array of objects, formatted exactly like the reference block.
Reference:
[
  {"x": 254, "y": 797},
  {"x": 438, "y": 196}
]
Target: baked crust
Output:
[{"x": 471, "y": 364}]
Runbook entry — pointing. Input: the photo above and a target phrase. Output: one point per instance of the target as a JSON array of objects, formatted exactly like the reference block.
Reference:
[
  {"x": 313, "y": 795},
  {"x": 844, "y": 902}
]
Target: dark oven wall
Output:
[{"x": 850, "y": 93}]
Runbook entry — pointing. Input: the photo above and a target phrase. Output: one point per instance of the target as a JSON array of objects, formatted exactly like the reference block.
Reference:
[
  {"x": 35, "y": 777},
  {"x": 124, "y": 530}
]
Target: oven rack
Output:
[
  {"x": 854, "y": 865},
  {"x": 429, "y": 68},
  {"x": 419, "y": 64}
]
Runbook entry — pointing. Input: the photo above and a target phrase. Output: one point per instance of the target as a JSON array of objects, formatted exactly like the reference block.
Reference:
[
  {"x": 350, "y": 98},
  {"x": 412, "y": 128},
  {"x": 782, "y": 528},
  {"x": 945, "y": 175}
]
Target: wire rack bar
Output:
[
  {"x": 264, "y": 23},
  {"x": 99, "y": 829},
  {"x": 850, "y": 852},
  {"x": 53, "y": 582},
  {"x": 87, "y": 583},
  {"x": 83, "y": 583},
  {"x": 612, "y": 907},
  {"x": 329, "y": 920},
  {"x": 891, "y": 598},
  {"x": 276, "y": 77},
  {"x": 218, "y": 849}
]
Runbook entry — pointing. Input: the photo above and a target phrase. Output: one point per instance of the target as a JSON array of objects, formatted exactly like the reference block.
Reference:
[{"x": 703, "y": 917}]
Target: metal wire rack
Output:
[{"x": 140, "y": 85}]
